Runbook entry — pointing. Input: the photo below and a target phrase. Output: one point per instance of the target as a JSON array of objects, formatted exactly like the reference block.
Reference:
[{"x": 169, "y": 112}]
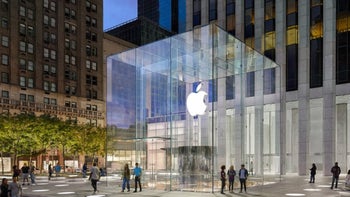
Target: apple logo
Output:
[{"x": 195, "y": 102}]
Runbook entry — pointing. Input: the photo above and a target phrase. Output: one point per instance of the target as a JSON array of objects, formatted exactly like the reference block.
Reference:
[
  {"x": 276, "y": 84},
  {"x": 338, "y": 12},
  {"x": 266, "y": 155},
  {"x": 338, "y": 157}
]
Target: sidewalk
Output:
[{"x": 271, "y": 187}]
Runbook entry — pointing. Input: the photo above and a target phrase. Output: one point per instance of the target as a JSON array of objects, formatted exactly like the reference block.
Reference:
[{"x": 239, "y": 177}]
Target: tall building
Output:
[
  {"x": 309, "y": 40},
  {"x": 52, "y": 59}
]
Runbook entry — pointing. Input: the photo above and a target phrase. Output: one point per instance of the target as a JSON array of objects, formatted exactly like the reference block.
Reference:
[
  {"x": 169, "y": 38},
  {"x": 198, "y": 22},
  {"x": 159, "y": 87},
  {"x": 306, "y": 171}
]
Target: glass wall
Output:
[{"x": 193, "y": 112}]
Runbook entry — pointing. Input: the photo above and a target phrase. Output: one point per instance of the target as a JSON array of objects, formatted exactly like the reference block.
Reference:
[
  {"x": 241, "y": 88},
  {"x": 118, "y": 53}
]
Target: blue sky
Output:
[{"x": 116, "y": 12}]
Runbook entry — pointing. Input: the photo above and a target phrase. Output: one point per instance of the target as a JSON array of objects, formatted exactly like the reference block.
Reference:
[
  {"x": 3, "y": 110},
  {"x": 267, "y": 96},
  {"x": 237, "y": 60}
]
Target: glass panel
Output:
[{"x": 167, "y": 105}]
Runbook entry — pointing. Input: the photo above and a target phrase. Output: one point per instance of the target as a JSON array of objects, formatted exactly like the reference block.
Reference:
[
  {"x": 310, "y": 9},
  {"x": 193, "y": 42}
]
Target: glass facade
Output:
[{"x": 199, "y": 102}]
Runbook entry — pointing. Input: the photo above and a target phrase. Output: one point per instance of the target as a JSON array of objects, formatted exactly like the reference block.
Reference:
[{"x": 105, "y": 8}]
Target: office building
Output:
[{"x": 51, "y": 59}]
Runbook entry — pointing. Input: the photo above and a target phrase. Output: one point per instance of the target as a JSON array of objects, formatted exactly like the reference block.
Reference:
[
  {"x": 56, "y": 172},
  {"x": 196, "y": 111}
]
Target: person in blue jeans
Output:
[
  {"x": 137, "y": 173},
  {"x": 126, "y": 178}
]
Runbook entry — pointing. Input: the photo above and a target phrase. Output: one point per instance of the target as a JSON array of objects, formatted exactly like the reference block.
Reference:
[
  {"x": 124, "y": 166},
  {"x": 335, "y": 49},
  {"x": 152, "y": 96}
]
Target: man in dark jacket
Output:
[{"x": 336, "y": 172}]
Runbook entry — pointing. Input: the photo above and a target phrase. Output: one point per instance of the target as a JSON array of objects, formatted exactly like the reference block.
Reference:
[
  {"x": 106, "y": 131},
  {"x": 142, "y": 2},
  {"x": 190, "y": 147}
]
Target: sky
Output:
[{"x": 116, "y": 12}]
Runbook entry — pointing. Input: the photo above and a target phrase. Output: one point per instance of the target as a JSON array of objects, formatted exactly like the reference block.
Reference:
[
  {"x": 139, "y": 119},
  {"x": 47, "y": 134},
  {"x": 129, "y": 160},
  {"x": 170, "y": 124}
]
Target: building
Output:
[
  {"x": 139, "y": 31},
  {"x": 309, "y": 40},
  {"x": 52, "y": 61},
  {"x": 47, "y": 66}
]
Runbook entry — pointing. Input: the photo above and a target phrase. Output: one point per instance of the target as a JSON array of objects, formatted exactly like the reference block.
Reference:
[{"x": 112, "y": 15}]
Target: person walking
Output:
[
  {"x": 231, "y": 173},
  {"x": 32, "y": 173},
  {"x": 223, "y": 178},
  {"x": 243, "y": 175},
  {"x": 84, "y": 170},
  {"x": 312, "y": 173},
  {"x": 50, "y": 171},
  {"x": 4, "y": 188},
  {"x": 25, "y": 173},
  {"x": 58, "y": 168},
  {"x": 347, "y": 180},
  {"x": 94, "y": 176},
  {"x": 15, "y": 189},
  {"x": 336, "y": 172},
  {"x": 137, "y": 173},
  {"x": 126, "y": 178}
]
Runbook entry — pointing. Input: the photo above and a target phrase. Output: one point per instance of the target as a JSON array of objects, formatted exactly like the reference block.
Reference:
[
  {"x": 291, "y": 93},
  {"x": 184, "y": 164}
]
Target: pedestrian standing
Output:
[
  {"x": 15, "y": 189},
  {"x": 336, "y": 172},
  {"x": 32, "y": 173},
  {"x": 137, "y": 173},
  {"x": 126, "y": 178},
  {"x": 25, "y": 173},
  {"x": 223, "y": 178},
  {"x": 58, "y": 168},
  {"x": 243, "y": 175},
  {"x": 16, "y": 172},
  {"x": 231, "y": 173},
  {"x": 94, "y": 176},
  {"x": 4, "y": 188},
  {"x": 312, "y": 173}
]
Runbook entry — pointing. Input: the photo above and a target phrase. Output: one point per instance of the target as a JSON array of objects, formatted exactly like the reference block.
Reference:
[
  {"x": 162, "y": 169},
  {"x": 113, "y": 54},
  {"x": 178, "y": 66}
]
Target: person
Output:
[
  {"x": 231, "y": 173},
  {"x": 126, "y": 178},
  {"x": 94, "y": 176},
  {"x": 58, "y": 169},
  {"x": 137, "y": 173},
  {"x": 4, "y": 188},
  {"x": 25, "y": 173},
  {"x": 50, "y": 171},
  {"x": 32, "y": 173},
  {"x": 347, "y": 179},
  {"x": 16, "y": 172},
  {"x": 15, "y": 189},
  {"x": 223, "y": 178},
  {"x": 84, "y": 170},
  {"x": 336, "y": 172},
  {"x": 243, "y": 175},
  {"x": 312, "y": 173}
]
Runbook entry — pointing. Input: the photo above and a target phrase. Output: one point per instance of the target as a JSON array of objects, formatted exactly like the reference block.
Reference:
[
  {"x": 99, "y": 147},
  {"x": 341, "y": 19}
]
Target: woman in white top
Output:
[{"x": 347, "y": 179}]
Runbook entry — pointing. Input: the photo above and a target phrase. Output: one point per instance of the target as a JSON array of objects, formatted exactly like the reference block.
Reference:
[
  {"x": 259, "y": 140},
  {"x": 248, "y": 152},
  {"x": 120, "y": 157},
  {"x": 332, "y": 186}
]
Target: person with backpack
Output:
[
  {"x": 336, "y": 172},
  {"x": 231, "y": 173}
]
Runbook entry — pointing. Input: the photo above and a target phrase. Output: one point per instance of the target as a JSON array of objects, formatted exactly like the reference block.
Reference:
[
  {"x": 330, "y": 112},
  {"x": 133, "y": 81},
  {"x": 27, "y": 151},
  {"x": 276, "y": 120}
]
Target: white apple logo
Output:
[{"x": 195, "y": 102}]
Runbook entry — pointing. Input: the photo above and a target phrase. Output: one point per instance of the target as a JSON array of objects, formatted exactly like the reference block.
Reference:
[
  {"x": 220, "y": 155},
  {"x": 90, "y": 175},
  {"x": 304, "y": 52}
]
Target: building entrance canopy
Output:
[{"x": 182, "y": 146}]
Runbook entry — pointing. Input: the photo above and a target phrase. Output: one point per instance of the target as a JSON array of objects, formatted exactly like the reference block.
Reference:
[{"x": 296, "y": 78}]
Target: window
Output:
[
  {"x": 30, "y": 82},
  {"x": 53, "y": 54},
  {"x": 46, "y": 69},
  {"x": 53, "y": 22},
  {"x": 88, "y": 50},
  {"x": 196, "y": 12},
  {"x": 53, "y": 101},
  {"x": 94, "y": 66},
  {"x": 4, "y": 77},
  {"x": 94, "y": 80},
  {"x": 94, "y": 107},
  {"x": 22, "y": 64},
  {"x": 30, "y": 48},
  {"x": 5, "y": 41},
  {"x": 73, "y": 90},
  {"x": 4, "y": 59},
  {"x": 73, "y": 105},
  {"x": 73, "y": 44},
  {"x": 249, "y": 22},
  {"x": 53, "y": 87},
  {"x": 93, "y": 37},
  {"x": 46, "y": 20},
  {"x": 31, "y": 98},
  {"x": 30, "y": 31},
  {"x": 73, "y": 60},
  {"x": 4, "y": 23},
  {"x": 250, "y": 84},
  {"x": 22, "y": 46},
  {"x": 53, "y": 70},
  {"x": 93, "y": 22},
  {"x": 72, "y": 14},
  {"x": 88, "y": 107},
  {"x": 230, "y": 87},
  {"x": 46, "y": 85},
  {"x": 30, "y": 14},
  {"x": 292, "y": 68},
  {"x": 66, "y": 59},
  {"x": 46, "y": 52},
  {"x": 22, "y": 81},
  {"x": 46, "y": 3},
  {"x": 53, "y": 6},
  {"x": 88, "y": 64},
  {"x": 22, "y": 11},
  {"x": 30, "y": 65},
  {"x": 270, "y": 81},
  {"x": 5, "y": 94},
  {"x": 94, "y": 8},
  {"x": 213, "y": 15},
  {"x": 22, "y": 97},
  {"x": 88, "y": 20},
  {"x": 230, "y": 16},
  {"x": 94, "y": 94},
  {"x": 46, "y": 100},
  {"x": 88, "y": 6},
  {"x": 22, "y": 29}
]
